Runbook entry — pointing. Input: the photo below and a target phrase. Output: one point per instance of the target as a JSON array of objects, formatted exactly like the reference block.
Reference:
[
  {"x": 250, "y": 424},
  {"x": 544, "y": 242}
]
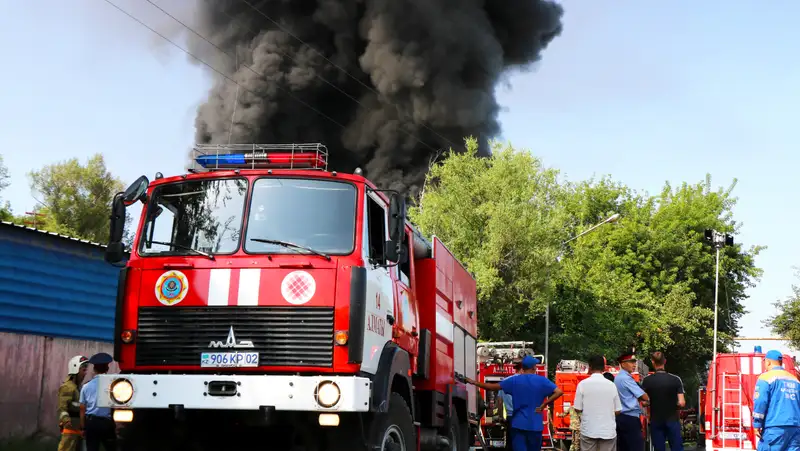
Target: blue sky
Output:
[{"x": 646, "y": 92}]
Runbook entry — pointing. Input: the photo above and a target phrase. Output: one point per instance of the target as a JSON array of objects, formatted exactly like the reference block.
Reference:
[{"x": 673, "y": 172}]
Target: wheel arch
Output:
[{"x": 393, "y": 375}]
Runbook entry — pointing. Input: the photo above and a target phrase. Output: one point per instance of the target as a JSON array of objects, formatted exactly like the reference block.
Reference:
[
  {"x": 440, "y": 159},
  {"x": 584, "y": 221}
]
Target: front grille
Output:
[{"x": 282, "y": 336}]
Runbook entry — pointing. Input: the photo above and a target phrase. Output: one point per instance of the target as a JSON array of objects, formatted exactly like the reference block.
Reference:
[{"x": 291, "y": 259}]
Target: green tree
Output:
[
  {"x": 77, "y": 198},
  {"x": 647, "y": 280},
  {"x": 785, "y": 323},
  {"x": 503, "y": 217},
  {"x": 5, "y": 181}
]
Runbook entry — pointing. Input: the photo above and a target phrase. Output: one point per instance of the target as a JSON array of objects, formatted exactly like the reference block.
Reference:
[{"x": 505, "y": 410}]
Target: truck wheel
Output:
[
  {"x": 459, "y": 433},
  {"x": 394, "y": 430}
]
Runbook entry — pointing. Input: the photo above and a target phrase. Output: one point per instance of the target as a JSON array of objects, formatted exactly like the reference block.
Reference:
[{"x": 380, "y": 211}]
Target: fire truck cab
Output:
[{"x": 269, "y": 302}]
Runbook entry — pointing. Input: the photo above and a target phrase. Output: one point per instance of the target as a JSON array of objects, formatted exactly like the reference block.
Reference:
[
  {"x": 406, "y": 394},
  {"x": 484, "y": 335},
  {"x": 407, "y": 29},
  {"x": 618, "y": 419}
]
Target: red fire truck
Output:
[
  {"x": 497, "y": 361},
  {"x": 271, "y": 303},
  {"x": 726, "y": 403},
  {"x": 568, "y": 374}
]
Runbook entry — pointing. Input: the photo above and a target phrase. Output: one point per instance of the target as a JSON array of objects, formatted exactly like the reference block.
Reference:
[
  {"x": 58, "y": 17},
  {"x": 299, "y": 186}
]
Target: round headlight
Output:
[
  {"x": 121, "y": 391},
  {"x": 328, "y": 394}
]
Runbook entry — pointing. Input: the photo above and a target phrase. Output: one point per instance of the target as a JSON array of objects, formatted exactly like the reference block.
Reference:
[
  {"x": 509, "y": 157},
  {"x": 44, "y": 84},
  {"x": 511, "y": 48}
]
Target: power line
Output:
[
  {"x": 282, "y": 28},
  {"x": 285, "y": 55},
  {"x": 253, "y": 70},
  {"x": 215, "y": 69}
]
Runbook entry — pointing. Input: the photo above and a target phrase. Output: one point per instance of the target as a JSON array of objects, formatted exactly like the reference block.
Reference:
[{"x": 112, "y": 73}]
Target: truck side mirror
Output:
[
  {"x": 395, "y": 249},
  {"x": 397, "y": 218},
  {"x": 115, "y": 250},
  {"x": 136, "y": 191}
]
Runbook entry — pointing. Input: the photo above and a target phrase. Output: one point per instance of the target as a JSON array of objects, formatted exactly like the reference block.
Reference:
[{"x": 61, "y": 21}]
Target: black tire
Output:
[
  {"x": 459, "y": 432},
  {"x": 394, "y": 430}
]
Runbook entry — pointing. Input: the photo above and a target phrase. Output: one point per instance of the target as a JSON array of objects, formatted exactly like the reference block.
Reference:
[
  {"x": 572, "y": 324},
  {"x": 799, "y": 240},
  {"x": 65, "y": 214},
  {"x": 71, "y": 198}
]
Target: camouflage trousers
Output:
[
  {"x": 70, "y": 442},
  {"x": 576, "y": 440}
]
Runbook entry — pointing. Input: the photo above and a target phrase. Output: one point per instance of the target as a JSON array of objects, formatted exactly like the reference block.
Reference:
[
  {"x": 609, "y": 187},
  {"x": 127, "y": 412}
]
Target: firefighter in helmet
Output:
[
  {"x": 776, "y": 407},
  {"x": 69, "y": 406}
]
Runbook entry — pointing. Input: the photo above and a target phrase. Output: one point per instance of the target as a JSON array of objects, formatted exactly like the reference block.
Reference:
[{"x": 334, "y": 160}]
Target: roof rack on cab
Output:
[{"x": 226, "y": 157}]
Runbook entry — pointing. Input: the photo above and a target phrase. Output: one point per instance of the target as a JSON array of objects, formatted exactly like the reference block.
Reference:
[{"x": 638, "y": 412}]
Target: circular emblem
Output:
[
  {"x": 298, "y": 287},
  {"x": 172, "y": 287}
]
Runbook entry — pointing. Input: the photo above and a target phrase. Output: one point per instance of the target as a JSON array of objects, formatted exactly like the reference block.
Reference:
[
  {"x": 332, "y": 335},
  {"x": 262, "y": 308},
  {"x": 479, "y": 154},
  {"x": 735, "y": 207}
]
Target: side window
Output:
[
  {"x": 376, "y": 225},
  {"x": 405, "y": 268}
]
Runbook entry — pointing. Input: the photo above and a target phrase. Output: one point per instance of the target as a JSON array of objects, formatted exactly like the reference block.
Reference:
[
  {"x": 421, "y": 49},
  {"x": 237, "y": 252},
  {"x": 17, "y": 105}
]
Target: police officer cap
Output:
[
  {"x": 101, "y": 358},
  {"x": 774, "y": 355},
  {"x": 529, "y": 362}
]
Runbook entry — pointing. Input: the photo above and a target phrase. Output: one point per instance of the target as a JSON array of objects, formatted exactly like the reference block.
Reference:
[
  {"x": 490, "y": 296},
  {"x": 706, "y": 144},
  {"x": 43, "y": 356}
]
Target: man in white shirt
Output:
[{"x": 597, "y": 402}]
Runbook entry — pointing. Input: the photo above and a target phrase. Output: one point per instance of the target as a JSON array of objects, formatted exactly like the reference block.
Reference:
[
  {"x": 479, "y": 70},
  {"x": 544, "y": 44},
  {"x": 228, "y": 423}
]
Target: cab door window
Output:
[{"x": 376, "y": 231}]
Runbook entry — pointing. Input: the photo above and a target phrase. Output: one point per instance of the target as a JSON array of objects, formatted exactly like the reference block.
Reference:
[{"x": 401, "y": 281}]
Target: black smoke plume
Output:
[{"x": 397, "y": 81}]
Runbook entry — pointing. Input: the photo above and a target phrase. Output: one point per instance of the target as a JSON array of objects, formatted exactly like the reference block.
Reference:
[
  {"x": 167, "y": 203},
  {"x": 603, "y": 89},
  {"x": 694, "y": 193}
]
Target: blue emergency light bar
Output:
[
  {"x": 263, "y": 160},
  {"x": 214, "y": 161}
]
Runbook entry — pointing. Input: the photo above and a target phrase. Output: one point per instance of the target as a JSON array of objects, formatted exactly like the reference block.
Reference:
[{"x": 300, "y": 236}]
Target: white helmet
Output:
[{"x": 75, "y": 364}]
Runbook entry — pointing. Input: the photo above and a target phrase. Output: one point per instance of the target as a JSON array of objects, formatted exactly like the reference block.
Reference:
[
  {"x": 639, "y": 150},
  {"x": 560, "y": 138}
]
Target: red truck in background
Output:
[
  {"x": 497, "y": 361},
  {"x": 568, "y": 374},
  {"x": 726, "y": 402},
  {"x": 271, "y": 303}
]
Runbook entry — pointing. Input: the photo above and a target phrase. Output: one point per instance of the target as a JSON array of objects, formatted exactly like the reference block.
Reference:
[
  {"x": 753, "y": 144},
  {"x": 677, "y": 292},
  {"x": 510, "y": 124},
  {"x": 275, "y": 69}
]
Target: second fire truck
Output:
[
  {"x": 726, "y": 402},
  {"x": 497, "y": 361},
  {"x": 269, "y": 303}
]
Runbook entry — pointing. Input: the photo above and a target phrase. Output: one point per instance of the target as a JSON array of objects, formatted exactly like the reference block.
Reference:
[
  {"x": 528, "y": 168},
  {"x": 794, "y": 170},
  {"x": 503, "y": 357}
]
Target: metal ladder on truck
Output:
[
  {"x": 731, "y": 432},
  {"x": 547, "y": 433}
]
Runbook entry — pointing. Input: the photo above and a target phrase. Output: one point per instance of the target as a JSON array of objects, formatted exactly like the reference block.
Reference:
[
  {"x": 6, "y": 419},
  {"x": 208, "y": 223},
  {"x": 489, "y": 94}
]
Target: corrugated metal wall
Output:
[
  {"x": 55, "y": 286},
  {"x": 57, "y": 300},
  {"x": 32, "y": 368}
]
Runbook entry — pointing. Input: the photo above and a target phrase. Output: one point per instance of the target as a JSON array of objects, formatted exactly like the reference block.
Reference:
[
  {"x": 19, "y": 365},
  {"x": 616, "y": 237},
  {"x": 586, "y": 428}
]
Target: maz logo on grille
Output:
[{"x": 231, "y": 342}]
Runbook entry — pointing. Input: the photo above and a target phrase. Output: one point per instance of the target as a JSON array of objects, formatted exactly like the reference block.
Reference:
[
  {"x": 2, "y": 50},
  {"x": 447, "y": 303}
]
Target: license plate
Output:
[
  {"x": 497, "y": 443},
  {"x": 228, "y": 359},
  {"x": 733, "y": 436}
]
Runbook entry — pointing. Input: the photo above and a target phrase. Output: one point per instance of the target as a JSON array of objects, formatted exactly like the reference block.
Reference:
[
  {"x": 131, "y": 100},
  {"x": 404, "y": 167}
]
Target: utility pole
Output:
[
  {"x": 610, "y": 219},
  {"x": 718, "y": 240},
  {"x": 34, "y": 221}
]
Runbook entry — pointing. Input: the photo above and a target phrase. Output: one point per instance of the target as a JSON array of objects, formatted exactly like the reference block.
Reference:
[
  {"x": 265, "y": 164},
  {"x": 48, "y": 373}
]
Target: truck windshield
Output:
[
  {"x": 199, "y": 215},
  {"x": 317, "y": 214}
]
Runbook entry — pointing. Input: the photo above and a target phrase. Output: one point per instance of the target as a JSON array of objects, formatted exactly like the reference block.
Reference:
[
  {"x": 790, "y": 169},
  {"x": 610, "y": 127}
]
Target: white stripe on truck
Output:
[
  {"x": 444, "y": 326},
  {"x": 219, "y": 285}
]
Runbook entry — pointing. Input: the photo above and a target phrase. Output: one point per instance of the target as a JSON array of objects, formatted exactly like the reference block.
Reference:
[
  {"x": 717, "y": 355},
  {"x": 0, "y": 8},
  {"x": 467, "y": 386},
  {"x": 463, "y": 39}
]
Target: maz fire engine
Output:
[
  {"x": 496, "y": 361},
  {"x": 263, "y": 290},
  {"x": 726, "y": 403}
]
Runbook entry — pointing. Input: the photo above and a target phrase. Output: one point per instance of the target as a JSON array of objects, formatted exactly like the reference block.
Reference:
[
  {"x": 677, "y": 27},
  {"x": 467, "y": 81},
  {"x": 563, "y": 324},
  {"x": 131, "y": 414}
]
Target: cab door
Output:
[
  {"x": 406, "y": 332},
  {"x": 380, "y": 308}
]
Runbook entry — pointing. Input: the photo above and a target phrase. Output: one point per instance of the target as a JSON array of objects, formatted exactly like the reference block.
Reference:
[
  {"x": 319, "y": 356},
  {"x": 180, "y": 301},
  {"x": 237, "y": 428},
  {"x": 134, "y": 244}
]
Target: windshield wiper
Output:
[
  {"x": 296, "y": 246},
  {"x": 166, "y": 243}
]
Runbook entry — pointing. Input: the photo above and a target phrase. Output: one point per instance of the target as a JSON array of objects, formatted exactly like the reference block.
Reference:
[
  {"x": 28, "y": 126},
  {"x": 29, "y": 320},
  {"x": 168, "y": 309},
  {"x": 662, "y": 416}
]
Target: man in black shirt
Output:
[{"x": 666, "y": 398}]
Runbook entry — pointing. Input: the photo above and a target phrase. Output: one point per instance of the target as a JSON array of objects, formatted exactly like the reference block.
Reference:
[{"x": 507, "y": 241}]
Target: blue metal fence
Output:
[{"x": 55, "y": 286}]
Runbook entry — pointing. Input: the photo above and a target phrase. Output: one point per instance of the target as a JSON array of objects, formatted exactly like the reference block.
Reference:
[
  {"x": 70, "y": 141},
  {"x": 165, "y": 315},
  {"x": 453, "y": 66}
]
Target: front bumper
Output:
[{"x": 251, "y": 392}]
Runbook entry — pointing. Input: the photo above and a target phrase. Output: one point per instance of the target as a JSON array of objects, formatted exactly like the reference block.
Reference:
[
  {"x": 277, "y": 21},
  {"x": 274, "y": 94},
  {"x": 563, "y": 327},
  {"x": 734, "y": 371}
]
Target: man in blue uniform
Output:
[
  {"x": 629, "y": 425},
  {"x": 531, "y": 394},
  {"x": 97, "y": 423},
  {"x": 776, "y": 409}
]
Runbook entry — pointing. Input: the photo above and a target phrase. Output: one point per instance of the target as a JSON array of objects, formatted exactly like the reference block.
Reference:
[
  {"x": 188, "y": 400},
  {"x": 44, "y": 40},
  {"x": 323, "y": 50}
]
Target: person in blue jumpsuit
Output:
[
  {"x": 531, "y": 394},
  {"x": 776, "y": 407}
]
